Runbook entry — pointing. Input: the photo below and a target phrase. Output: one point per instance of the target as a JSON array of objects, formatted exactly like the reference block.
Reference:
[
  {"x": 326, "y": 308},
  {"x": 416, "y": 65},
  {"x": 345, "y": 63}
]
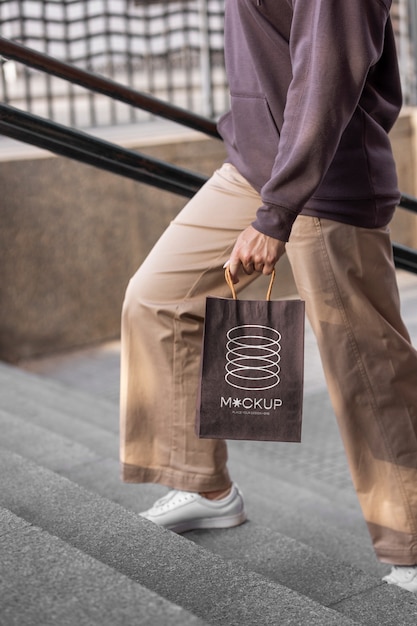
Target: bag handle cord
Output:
[{"x": 229, "y": 281}]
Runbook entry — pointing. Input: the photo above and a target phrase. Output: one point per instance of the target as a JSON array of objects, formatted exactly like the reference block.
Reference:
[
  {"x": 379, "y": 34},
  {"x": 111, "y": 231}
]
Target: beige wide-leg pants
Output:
[{"x": 346, "y": 277}]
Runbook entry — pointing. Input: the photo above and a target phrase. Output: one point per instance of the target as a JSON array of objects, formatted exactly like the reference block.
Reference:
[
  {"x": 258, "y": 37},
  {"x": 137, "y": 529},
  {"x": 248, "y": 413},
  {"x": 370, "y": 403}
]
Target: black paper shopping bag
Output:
[{"x": 252, "y": 369}]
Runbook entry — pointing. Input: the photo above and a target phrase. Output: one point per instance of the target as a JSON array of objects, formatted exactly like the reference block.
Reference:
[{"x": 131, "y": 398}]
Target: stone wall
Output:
[{"x": 71, "y": 236}]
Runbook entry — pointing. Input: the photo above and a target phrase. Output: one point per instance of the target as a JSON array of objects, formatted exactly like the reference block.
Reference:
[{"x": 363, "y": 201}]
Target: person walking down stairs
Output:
[{"x": 314, "y": 91}]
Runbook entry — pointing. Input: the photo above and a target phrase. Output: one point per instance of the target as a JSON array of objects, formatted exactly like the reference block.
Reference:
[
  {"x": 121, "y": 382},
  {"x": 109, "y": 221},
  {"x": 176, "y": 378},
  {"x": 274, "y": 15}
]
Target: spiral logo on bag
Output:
[{"x": 252, "y": 357}]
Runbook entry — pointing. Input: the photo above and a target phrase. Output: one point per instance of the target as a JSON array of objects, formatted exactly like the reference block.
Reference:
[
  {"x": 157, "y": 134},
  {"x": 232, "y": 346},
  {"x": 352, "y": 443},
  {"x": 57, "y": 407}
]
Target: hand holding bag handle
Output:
[{"x": 229, "y": 281}]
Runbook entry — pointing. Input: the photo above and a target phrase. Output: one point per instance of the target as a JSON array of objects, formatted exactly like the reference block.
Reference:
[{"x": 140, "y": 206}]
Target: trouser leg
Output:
[
  {"x": 162, "y": 325},
  {"x": 347, "y": 278}
]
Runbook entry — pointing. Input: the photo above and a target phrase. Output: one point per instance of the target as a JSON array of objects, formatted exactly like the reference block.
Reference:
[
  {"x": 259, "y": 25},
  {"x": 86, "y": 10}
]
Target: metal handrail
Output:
[
  {"x": 407, "y": 202},
  {"x": 100, "y": 84},
  {"x": 84, "y": 147},
  {"x": 405, "y": 258},
  {"x": 112, "y": 89}
]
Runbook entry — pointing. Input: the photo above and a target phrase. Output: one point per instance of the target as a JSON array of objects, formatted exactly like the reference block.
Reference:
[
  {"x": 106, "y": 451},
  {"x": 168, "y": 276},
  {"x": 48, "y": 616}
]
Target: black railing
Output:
[
  {"x": 104, "y": 86},
  {"x": 105, "y": 155},
  {"x": 83, "y": 147},
  {"x": 405, "y": 258}
]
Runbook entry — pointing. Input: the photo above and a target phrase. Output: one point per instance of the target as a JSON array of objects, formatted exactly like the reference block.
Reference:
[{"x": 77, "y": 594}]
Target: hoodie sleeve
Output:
[{"x": 333, "y": 45}]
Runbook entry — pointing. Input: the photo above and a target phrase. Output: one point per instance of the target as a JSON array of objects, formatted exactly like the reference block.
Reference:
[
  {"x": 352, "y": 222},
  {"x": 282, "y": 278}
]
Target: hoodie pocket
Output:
[{"x": 250, "y": 131}]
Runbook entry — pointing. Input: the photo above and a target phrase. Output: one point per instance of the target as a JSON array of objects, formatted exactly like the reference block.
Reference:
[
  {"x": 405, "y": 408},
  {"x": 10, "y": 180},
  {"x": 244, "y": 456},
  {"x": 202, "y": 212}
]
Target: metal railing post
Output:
[
  {"x": 412, "y": 27},
  {"x": 205, "y": 61}
]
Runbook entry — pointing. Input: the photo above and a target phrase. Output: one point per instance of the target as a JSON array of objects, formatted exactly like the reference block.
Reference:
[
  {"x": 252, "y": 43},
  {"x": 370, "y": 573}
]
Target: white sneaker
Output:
[
  {"x": 403, "y": 576},
  {"x": 180, "y": 511}
]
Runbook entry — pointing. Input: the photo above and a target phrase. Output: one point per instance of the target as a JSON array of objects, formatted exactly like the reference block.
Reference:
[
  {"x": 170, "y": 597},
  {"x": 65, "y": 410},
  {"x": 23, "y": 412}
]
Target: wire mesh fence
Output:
[
  {"x": 172, "y": 49},
  {"x": 404, "y": 16}
]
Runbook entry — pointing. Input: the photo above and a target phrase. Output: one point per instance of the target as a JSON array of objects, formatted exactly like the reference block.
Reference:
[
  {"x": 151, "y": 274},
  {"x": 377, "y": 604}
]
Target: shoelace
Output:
[
  {"x": 165, "y": 498},
  {"x": 162, "y": 502}
]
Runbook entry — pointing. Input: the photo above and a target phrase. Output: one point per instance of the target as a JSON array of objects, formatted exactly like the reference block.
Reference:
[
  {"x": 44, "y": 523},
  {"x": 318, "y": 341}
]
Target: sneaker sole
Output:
[{"x": 208, "y": 522}]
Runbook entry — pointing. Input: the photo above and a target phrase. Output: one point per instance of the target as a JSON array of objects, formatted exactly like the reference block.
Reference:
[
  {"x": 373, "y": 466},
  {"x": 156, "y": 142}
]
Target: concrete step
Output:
[
  {"x": 74, "y": 414},
  {"x": 310, "y": 513},
  {"x": 204, "y": 584},
  {"x": 45, "y": 581},
  {"x": 337, "y": 585},
  {"x": 88, "y": 455},
  {"x": 48, "y": 394},
  {"x": 309, "y": 518},
  {"x": 93, "y": 464},
  {"x": 93, "y": 467},
  {"x": 303, "y": 517},
  {"x": 278, "y": 557},
  {"x": 74, "y": 461}
]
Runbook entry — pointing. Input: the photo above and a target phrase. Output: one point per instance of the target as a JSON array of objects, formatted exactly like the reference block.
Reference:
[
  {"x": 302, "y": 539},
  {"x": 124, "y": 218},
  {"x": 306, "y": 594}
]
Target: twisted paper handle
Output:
[{"x": 229, "y": 281}]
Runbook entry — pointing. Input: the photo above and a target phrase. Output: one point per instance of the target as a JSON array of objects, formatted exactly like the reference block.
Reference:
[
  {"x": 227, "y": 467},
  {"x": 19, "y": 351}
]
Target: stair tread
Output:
[
  {"x": 94, "y": 468},
  {"x": 55, "y": 395},
  {"x": 78, "y": 424},
  {"x": 332, "y": 583},
  {"x": 171, "y": 566},
  {"x": 46, "y": 581},
  {"x": 73, "y": 444},
  {"x": 290, "y": 563},
  {"x": 79, "y": 464}
]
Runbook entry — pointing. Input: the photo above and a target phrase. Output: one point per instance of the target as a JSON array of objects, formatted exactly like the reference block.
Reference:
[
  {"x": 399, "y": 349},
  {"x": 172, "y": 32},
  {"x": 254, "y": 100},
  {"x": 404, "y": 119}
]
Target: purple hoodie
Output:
[{"x": 314, "y": 91}]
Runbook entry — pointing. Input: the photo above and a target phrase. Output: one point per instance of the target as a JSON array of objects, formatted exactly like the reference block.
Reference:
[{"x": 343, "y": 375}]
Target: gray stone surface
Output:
[
  {"x": 289, "y": 563},
  {"x": 45, "y": 581},
  {"x": 331, "y": 582},
  {"x": 103, "y": 477},
  {"x": 259, "y": 548},
  {"x": 305, "y": 491},
  {"x": 42, "y": 446},
  {"x": 204, "y": 584},
  {"x": 30, "y": 395},
  {"x": 28, "y": 405},
  {"x": 321, "y": 513},
  {"x": 383, "y": 605},
  {"x": 72, "y": 235},
  {"x": 309, "y": 514}
]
